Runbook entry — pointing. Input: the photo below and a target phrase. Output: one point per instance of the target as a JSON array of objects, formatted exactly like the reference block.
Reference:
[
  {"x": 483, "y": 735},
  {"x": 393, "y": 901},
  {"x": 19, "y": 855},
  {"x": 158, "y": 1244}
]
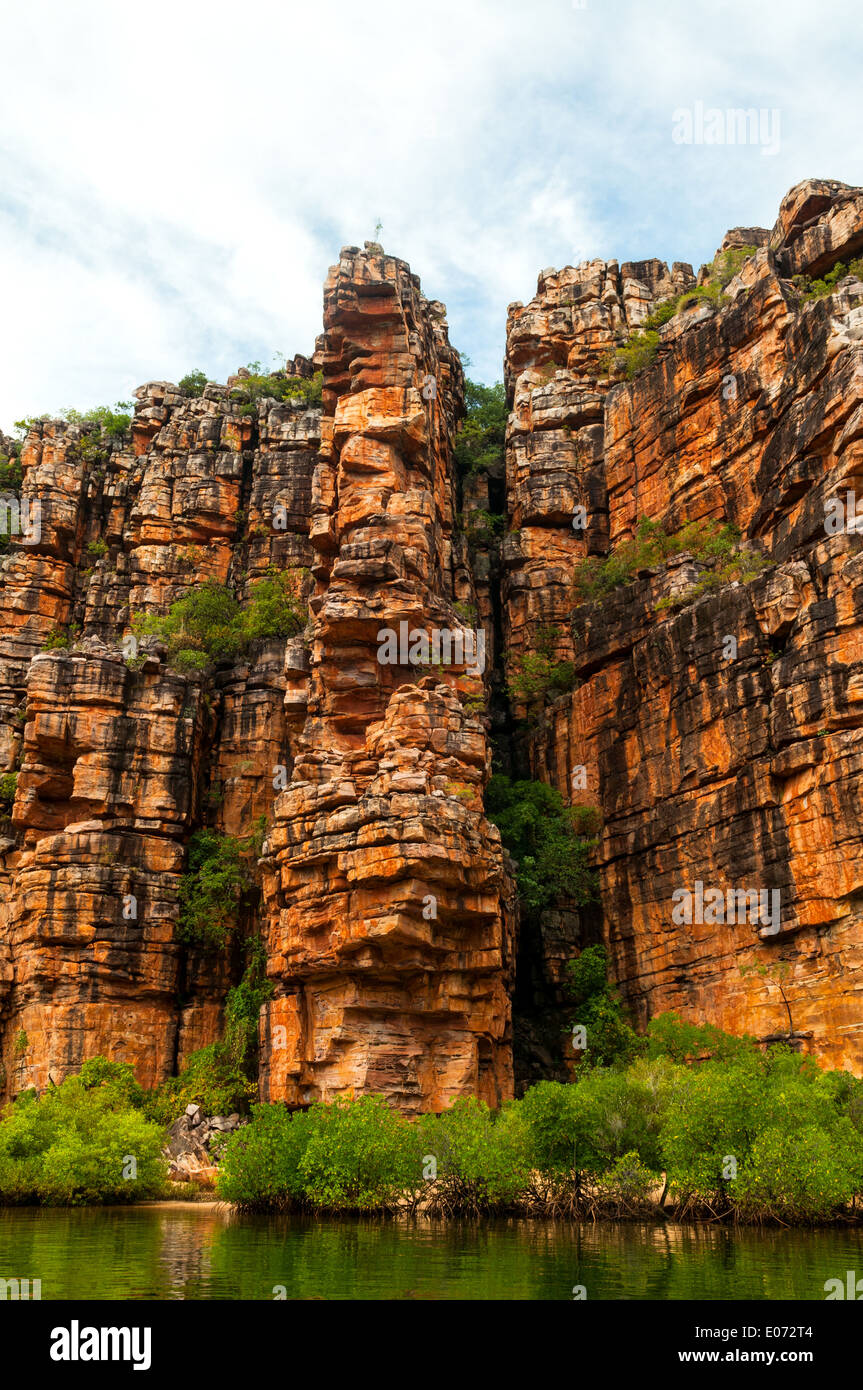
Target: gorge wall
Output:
[
  {"x": 386, "y": 906},
  {"x": 738, "y": 772}
]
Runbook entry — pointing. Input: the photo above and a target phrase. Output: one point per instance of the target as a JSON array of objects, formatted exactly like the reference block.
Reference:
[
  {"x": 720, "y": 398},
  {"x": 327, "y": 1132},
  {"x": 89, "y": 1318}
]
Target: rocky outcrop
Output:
[
  {"x": 389, "y": 937},
  {"x": 194, "y": 1144},
  {"x": 118, "y": 757},
  {"x": 718, "y": 733},
  {"x": 733, "y": 763},
  {"x": 386, "y": 913}
]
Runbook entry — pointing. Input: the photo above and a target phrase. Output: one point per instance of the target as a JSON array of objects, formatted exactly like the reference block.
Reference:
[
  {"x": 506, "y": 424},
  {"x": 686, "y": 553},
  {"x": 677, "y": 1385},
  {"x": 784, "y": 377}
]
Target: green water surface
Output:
[{"x": 189, "y": 1252}]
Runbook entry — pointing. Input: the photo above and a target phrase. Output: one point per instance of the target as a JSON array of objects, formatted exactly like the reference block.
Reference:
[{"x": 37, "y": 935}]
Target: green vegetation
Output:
[
  {"x": 11, "y": 475},
  {"x": 636, "y": 353},
  {"x": 669, "y": 1036},
  {"x": 741, "y": 566},
  {"x": 721, "y": 272},
  {"x": 480, "y": 444},
  {"x": 11, "y": 479},
  {"x": 753, "y": 1136},
  {"x": 550, "y": 842},
  {"x": 482, "y": 1161},
  {"x": 102, "y": 429},
  {"x": 222, "y": 1078},
  {"x": 97, "y": 548},
  {"x": 688, "y": 1119},
  {"x": 356, "y": 1156},
  {"x": 243, "y": 1009},
  {"x": 193, "y": 383},
  {"x": 208, "y": 624},
  {"x": 709, "y": 542},
  {"x": 209, "y": 1079},
  {"x": 112, "y": 422},
  {"x": 263, "y": 1172},
  {"x": 351, "y": 1155},
  {"x": 260, "y": 385},
  {"x": 795, "y": 1151},
  {"x": 609, "y": 1037},
  {"x": 61, "y": 638},
  {"x": 537, "y": 676},
  {"x": 85, "y": 1141},
  {"x": 360, "y": 1155},
  {"x": 482, "y": 527},
  {"x": 8, "y": 787},
  {"x": 218, "y": 879},
  {"x": 467, "y": 612},
  {"x": 642, "y": 346},
  {"x": 817, "y": 289}
]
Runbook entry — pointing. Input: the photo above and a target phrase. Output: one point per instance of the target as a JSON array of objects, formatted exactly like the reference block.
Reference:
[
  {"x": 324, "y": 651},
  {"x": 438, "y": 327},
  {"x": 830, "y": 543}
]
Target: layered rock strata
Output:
[
  {"x": 733, "y": 763},
  {"x": 386, "y": 914},
  {"x": 718, "y": 734},
  {"x": 390, "y": 932}
]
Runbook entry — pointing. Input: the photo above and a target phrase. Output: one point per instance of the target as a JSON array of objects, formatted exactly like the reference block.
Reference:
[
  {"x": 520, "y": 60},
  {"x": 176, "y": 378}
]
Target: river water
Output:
[{"x": 200, "y": 1251}]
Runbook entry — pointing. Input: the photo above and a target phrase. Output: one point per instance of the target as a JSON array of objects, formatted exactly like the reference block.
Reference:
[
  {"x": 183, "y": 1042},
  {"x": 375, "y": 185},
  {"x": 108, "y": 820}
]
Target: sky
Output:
[{"x": 176, "y": 178}]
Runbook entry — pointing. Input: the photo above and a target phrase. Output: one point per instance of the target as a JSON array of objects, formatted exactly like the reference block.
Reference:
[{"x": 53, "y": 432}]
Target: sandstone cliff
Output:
[
  {"x": 388, "y": 917},
  {"x": 735, "y": 771}
]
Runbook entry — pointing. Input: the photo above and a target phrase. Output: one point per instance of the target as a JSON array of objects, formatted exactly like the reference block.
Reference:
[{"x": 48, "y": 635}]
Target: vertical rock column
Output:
[{"x": 387, "y": 943}]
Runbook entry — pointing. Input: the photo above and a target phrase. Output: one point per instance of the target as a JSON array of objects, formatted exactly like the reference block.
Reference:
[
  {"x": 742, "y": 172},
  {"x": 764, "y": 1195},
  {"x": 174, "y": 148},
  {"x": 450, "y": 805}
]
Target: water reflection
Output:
[{"x": 203, "y": 1252}]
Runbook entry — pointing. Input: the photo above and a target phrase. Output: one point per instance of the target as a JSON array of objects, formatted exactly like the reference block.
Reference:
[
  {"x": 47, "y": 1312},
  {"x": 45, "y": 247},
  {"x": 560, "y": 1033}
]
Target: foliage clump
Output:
[
  {"x": 482, "y": 527},
  {"x": 480, "y": 444},
  {"x": 221, "y": 1077},
  {"x": 826, "y": 284},
  {"x": 351, "y": 1155},
  {"x": 62, "y": 638},
  {"x": 758, "y": 1136},
  {"x": 536, "y": 676},
  {"x": 709, "y": 542},
  {"x": 8, "y": 787},
  {"x": 550, "y": 842},
  {"x": 481, "y": 1159},
  {"x": 208, "y": 624},
  {"x": 11, "y": 481},
  {"x": 217, "y": 881},
  {"x": 84, "y": 1141},
  {"x": 11, "y": 475},
  {"x": 278, "y": 386},
  {"x": 743, "y": 1133},
  {"x": 637, "y": 352},
  {"x": 193, "y": 384},
  {"x": 609, "y": 1036},
  {"x": 102, "y": 429}
]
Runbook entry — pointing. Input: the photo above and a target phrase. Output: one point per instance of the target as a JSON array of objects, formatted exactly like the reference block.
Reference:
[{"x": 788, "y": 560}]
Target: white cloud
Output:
[{"x": 175, "y": 181}]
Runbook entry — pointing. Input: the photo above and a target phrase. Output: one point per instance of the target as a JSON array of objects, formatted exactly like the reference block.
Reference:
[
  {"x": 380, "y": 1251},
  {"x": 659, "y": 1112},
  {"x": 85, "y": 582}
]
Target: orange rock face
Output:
[
  {"x": 390, "y": 936},
  {"x": 386, "y": 914},
  {"x": 118, "y": 761},
  {"x": 718, "y": 734},
  {"x": 730, "y": 763}
]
